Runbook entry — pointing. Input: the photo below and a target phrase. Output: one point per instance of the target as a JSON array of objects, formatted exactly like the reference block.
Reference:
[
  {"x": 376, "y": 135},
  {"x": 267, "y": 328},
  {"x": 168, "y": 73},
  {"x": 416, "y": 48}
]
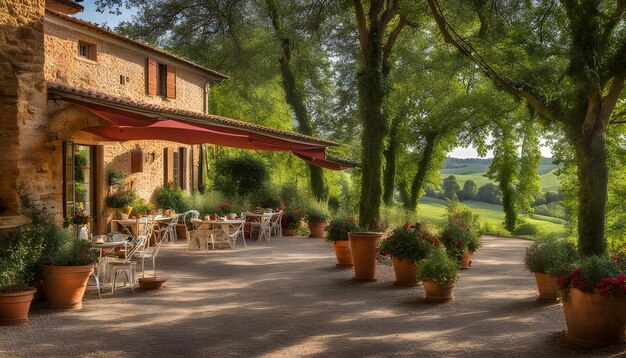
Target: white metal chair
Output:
[
  {"x": 265, "y": 230},
  {"x": 128, "y": 266},
  {"x": 276, "y": 224},
  {"x": 187, "y": 216},
  {"x": 231, "y": 231},
  {"x": 168, "y": 229},
  {"x": 149, "y": 253}
]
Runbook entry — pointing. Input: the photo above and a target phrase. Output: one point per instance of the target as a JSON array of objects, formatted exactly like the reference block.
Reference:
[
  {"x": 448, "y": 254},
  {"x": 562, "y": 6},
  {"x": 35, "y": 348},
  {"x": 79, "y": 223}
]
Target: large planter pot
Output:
[
  {"x": 65, "y": 285},
  {"x": 594, "y": 320},
  {"x": 317, "y": 229},
  {"x": 289, "y": 232},
  {"x": 547, "y": 287},
  {"x": 343, "y": 253},
  {"x": 363, "y": 247},
  {"x": 466, "y": 261},
  {"x": 14, "y": 307},
  {"x": 437, "y": 293},
  {"x": 405, "y": 270}
]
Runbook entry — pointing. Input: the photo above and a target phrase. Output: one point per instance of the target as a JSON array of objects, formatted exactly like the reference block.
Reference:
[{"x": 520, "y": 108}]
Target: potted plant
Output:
[
  {"x": 120, "y": 200},
  {"x": 438, "y": 272},
  {"x": 363, "y": 246},
  {"x": 18, "y": 268},
  {"x": 461, "y": 233},
  {"x": 317, "y": 223},
  {"x": 545, "y": 258},
  {"x": 68, "y": 265},
  {"x": 406, "y": 246},
  {"x": 291, "y": 222},
  {"x": 337, "y": 234},
  {"x": 594, "y": 300}
]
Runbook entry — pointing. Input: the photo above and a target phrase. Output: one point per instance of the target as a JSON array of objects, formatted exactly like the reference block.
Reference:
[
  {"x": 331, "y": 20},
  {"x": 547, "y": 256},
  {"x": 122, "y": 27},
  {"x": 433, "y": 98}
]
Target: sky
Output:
[{"x": 110, "y": 20}]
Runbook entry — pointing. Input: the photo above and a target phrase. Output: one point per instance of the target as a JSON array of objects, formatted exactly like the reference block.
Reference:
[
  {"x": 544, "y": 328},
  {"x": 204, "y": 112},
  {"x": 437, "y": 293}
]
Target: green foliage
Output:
[
  {"x": 80, "y": 161},
  {"x": 550, "y": 256},
  {"x": 469, "y": 190},
  {"x": 339, "y": 228},
  {"x": 451, "y": 187},
  {"x": 334, "y": 204},
  {"x": 489, "y": 193},
  {"x": 461, "y": 230},
  {"x": 292, "y": 219},
  {"x": 240, "y": 175},
  {"x": 505, "y": 170},
  {"x": 114, "y": 176},
  {"x": 315, "y": 216},
  {"x": 62, "y": 249},
  {"x": 140, "y": 206},
  {"x": 438, "y": 268},
  {"x": 525, "y": 229},
  {"x": 595, "y": 274},
  {"x": 19, "y": 263},
  {"x": 120, "y": 199},
  {"x": 413, "y": 242},
  {"x": 172, "y": 198}
]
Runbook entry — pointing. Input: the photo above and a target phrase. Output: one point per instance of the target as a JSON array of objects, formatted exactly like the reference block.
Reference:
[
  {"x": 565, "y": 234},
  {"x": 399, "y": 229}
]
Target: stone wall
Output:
[
  {"x": 23, "y": 120},
  {"x": 113, "y": 60}
]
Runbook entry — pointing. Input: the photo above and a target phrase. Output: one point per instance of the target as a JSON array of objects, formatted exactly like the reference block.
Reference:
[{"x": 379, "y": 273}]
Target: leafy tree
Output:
[
  {"x": 451, "y": 187},
  {"x": 504, "y": 169},
  {"x": 240, "y": 175},
  {"x": 489, "y": 193},
  {"x": 567, "y": 60},
  {"x": 470, "y": 189}
]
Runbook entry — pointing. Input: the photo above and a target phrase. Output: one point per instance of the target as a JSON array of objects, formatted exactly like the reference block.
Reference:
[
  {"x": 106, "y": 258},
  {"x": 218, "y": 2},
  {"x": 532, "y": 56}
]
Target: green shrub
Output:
[
  {"x": 114, "y": 176},
  {"x": 66, "y": 250},
  {"x": 526, "y": 229},
  {"x": 172, "y": 198},
  {"x": 550, "y": 256},
  {"x": 292, "y": 219},
  {"x": 240, "y": 175},
  {"x": 19, "y": 263},
  {"x": 315, "y": 217},
  {"x": 438, "y": 268},
  {"x": 413, "y": 242},
  {"x": 461, "y": 230},
  {"x": 334, "y": 204},
  {"x": 339, "y": 228},
  {"x": 120, "y": 199}
]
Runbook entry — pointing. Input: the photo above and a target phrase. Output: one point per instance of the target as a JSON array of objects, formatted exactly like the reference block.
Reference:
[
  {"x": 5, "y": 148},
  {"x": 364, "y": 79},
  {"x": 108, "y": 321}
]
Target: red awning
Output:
[{"x": 126, "y": 125}]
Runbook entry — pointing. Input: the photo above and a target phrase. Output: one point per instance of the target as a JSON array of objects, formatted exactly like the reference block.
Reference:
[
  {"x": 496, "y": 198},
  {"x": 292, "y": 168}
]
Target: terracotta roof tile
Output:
[
  {"x": 134, "y": 42},
  {"x": 62, "y": 89}
]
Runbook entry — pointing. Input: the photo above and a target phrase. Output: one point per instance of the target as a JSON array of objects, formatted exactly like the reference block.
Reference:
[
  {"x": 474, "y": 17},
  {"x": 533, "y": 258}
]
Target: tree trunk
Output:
[
  {"x": 371, "y": 94},
  {"x": 422, "y": 171},
  {"x": 593, "y": 178},
  {"x": 391, "y": 154}
]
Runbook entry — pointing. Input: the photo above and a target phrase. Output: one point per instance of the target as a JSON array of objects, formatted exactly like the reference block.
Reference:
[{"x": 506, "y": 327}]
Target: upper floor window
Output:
[
  {"x": 160, "y": 79},
  {"x": 87, "y": 50}
]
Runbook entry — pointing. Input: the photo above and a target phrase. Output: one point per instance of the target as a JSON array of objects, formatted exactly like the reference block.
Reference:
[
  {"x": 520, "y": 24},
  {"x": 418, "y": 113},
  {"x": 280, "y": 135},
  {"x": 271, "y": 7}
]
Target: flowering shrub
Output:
[
  {"x": 80, "y": 218},
  {"x": 438, "y": 268},
  {"x": 595, "y": 275},
  {"x": 223, "y": 209},
  {"x": 413, "y": 242},
  {"x": 549, "y": 256},
  {"x": 292, "y": 219},
  {"x": 461, "y": 230},
  {"x": 315, "y": 217},
  {"x": 339, "y": 228}
]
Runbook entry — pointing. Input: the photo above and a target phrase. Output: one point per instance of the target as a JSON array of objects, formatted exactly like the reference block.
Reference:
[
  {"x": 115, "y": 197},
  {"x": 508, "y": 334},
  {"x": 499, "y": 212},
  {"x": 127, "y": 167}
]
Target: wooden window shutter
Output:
[
  {"x": 151, "y": 78},
  {"x": 136, "y": 161},
  {"x": 101, "y": 188},
  {"x": 170, "y": 91},
  {"x": 183, "y": 167},
  {"x": 168, "y": 165}
]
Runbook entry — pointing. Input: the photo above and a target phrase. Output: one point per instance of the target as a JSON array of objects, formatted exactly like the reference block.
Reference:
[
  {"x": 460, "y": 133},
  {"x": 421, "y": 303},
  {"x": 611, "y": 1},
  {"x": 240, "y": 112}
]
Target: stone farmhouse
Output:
[{"x": 69, "y": 88}]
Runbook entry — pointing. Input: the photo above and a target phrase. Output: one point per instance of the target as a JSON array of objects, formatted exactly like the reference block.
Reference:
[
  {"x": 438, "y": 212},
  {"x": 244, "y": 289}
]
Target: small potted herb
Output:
[
  {"x": 121, "y": 200},
  {"x": 439, "y": 273},
  {"x": 337, "y": 234},
  {"x": 317, "y": 222},
  {"x": 406, "y": 246},
  {"x": 546, "y": 258},
  {"x": 290, "y": 222}
]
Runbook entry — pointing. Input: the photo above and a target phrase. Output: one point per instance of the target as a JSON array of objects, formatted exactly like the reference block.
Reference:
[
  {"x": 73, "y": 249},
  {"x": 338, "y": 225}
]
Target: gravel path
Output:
[{"x": 286, "y": 299}]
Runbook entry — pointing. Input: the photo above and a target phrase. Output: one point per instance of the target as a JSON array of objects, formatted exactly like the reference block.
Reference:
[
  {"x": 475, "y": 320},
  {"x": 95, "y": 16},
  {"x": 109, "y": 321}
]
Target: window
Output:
[
  {"x": 79, "y": 179},
  {"x": 175, "y": 166},
  {"x": 160, "y": 79},
  {"x": 87, "y": 50}
]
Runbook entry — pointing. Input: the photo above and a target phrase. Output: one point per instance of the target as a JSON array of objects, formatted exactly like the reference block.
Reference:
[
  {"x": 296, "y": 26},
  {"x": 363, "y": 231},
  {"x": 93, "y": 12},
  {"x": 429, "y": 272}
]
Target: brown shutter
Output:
[
  {"x": 170, "y": 83},
  {"x": 168, "y": 165},
  {"x": 100, "y": 189},
  {"x": 183, "y": 167},
  {"x": 151, "y": 78},
  {"x": 136, "y": 161}
]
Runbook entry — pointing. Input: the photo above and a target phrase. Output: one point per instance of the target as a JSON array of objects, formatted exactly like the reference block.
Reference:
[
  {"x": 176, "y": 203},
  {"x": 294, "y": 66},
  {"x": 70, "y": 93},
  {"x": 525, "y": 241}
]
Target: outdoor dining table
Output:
[
  {"x": 264, "y": 220},
  {"x": 103, "y": 259},
  {"x": 225, "y": 225},
  {"x": 130, "y": 226}
]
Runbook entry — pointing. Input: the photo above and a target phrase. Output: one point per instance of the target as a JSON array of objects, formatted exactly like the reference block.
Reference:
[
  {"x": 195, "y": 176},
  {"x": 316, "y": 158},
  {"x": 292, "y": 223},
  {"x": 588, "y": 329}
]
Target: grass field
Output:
[{"x": 434, "y": 209}]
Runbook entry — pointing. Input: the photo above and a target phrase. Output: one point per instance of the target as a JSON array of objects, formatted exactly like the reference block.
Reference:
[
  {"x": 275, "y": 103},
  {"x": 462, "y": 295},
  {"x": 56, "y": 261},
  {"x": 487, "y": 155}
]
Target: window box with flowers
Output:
[
  {"x": 317, "y": 224},
  {"x": 291, "y": 222},
  {"x": 461, "y": 233},
  {"x": 594, "y": 301},
  {"x": 407, "y": 246},
  {"x": 337, "y": 234}
]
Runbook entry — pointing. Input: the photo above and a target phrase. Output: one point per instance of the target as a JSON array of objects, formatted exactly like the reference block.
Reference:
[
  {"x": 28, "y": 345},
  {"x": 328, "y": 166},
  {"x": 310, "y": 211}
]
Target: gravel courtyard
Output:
[{"x": 287, "y": 299}]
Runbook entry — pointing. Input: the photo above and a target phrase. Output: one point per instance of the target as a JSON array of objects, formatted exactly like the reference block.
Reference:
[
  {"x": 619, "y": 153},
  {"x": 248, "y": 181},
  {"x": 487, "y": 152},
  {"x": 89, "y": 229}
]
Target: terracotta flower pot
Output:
[
  {"x": 14, "y": 306},
  {"x": 405, "y": 270},
  {"x": 594, "y": 320},
  {"x": 437, "y": 293},
  {"x": 289, "y": 232},
  {"x": 65, "y": 285},
  {"x": 342, "y": 251},
  {"x": 546, "y": 286},
  {"x": 317, "y": 229},
  {"x": 151, "y": 283},
  {"x": 363, "y": 247},
  {"x": 466, "y": 261}
]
